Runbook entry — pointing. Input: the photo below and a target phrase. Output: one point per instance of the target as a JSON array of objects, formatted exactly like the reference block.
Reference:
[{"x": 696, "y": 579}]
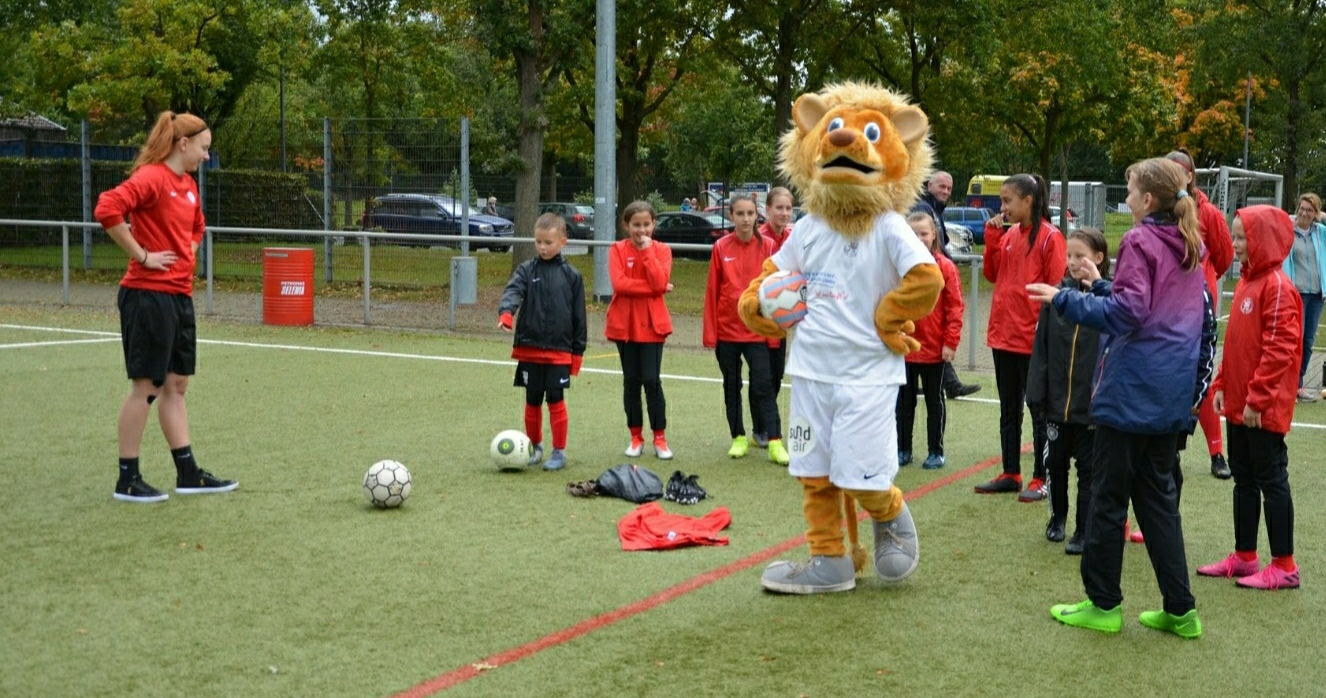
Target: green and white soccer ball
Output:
[
  {"x": 387, "y": 484},
  {"x": 511, "y": 450}
]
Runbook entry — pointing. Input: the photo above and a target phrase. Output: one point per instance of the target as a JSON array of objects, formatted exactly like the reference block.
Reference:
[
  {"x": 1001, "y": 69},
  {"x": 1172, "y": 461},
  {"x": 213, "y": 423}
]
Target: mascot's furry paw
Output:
[{"x": 901, "y": 342}]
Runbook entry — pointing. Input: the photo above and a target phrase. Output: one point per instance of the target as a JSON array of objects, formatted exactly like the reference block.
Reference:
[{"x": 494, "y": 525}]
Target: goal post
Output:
[{"x": 1232, "y": 188}]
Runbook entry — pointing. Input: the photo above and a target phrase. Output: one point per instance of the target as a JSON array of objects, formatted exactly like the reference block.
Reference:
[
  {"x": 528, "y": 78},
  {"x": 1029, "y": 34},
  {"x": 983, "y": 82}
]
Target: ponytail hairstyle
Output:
[
  {"x": 923, "y": 217},
  {"x": 635, "y": 207},
  {"x": 1033, "y": 186},
  {"x": 1184, "y": 159},
  {"x": 169, "y": 129},
  {"x": 1165, "y": 181},
  {"x": 1093, "y": 238}
]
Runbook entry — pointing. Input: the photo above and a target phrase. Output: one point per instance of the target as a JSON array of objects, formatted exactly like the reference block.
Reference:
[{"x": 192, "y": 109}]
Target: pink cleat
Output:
[
  {"x": 1136, "y": 536},
  {"x": 1232, "y": 567},
  {"x": 1270, "y": 579}
]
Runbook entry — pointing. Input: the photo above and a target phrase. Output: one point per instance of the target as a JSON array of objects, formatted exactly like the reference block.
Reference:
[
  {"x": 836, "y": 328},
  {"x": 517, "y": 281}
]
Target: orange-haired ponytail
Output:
[{"x": 169, "y": 128}]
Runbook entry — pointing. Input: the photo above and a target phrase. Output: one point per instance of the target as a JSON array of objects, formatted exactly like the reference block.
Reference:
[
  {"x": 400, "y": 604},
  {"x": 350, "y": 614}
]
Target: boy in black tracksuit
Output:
[
  {"x": 1063, "y": 356},
  {"x": 549, "y": 295}
]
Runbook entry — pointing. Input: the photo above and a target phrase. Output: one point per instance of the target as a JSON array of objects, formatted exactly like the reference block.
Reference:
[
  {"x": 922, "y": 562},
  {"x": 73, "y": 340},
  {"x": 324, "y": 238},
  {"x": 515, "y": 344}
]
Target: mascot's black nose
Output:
[{"x": 842, "y": 137}]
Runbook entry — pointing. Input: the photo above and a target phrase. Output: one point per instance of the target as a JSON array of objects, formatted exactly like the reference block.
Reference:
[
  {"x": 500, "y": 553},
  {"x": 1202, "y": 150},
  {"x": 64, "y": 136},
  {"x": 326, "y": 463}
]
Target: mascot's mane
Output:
[{"x": 851, "y": 202}]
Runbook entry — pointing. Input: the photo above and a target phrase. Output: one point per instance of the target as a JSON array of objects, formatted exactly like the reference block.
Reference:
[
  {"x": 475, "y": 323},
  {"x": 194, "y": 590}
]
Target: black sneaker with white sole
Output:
[
  {"x": 136, "y": 490},
  {"x": 203, "y": 482}
]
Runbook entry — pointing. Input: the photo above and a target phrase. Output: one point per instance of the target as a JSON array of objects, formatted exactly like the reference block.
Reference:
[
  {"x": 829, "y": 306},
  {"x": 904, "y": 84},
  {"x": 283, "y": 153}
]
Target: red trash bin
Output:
[{"x": 287, "y": 286}]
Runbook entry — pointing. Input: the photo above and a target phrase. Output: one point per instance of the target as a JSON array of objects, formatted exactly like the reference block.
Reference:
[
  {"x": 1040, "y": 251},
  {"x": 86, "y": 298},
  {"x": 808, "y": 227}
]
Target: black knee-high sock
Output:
[
  {"x": 184, "y": 462},
  {"x": 128, "y": 469}
]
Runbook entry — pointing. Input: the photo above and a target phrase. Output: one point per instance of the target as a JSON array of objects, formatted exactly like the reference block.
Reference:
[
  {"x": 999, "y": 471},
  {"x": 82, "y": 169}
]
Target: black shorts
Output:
[
  {"x": 547, "y": 377},
  {"x": 158, "y": 333}
]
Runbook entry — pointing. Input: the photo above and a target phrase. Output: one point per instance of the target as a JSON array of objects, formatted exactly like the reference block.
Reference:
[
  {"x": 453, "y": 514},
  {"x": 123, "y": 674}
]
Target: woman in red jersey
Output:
[{"x": 157, "y": 328}]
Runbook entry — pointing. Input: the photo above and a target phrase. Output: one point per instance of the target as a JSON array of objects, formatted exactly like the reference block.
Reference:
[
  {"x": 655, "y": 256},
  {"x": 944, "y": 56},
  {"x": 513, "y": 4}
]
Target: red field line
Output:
[{"x": 462, "y": 674}]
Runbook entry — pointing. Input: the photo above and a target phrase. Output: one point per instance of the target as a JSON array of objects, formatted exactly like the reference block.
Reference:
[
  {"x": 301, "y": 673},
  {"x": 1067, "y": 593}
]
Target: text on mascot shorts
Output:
[
  {"x": 511, "y": 450},
  {"x": 783, "y": 298},
  {"x": 387, "y": 484}
]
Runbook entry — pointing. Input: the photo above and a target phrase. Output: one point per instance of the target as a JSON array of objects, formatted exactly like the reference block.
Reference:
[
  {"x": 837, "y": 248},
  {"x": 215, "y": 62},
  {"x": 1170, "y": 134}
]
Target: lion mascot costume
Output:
[{"x": 858, "y": 155}]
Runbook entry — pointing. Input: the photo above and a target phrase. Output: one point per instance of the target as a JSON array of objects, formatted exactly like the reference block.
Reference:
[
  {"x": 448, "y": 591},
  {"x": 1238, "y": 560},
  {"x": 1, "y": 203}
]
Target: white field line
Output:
[
  {"x": 430, "y": 357},
  {"x": 25, "y": 345}
]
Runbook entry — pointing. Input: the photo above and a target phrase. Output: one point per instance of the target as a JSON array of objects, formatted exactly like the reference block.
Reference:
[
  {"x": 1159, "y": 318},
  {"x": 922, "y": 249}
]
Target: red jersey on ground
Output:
[
  {"x": 649, "y": 527},
  {"x": 165, "y": 213}
]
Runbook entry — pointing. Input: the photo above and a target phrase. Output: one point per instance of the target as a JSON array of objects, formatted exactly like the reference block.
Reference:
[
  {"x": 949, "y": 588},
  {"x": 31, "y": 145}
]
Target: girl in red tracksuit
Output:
[
  {"x": 638, "y": 323},
  {"x": 737, "y": 258},
  {"x": 1219, "y": 256},
  {"x": 776, "y": 227},
  {"x": 938, "y": 333},
  {"x": 1256, "y": 390},
  {"x": 1032, "y": 251}
]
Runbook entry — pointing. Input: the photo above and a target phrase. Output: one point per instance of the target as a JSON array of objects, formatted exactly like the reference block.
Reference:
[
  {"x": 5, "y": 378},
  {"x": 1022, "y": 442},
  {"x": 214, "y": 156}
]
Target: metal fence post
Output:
[
  {"x": 368, "y": 284},
  {"x": 64, "y": 260},
  {"x": 327, "y": 205},
  {"x": 86, "y": 157},
  {"x": 971, "y": 312}
]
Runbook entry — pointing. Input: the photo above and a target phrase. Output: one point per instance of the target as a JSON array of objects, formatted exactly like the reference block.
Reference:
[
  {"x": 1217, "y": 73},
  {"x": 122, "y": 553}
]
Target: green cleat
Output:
[
  {"x": 739, "y": 447},
  {"x": 1186, "y": 626},
  {"x": 1086, "y": 615},
  {"x": 778, "y": 455}
]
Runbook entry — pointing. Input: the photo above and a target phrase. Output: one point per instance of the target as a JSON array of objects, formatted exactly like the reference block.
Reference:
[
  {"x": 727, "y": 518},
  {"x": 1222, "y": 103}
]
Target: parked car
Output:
[
  {"x": 1072, "y": 219},
  {"x": 579, "y": 218},
  {"x": 424, "y": 214},
  {"x": 971, "y": 218},
  {"x": 690, "y": 228}
]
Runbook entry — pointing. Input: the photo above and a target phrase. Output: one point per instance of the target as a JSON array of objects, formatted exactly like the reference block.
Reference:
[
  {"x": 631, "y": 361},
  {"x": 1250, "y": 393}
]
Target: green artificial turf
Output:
[{"x": 293, "y": 585}]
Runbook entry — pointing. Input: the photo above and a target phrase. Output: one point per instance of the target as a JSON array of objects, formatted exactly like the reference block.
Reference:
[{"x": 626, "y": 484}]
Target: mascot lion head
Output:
[{"x": 856, "y": 151}]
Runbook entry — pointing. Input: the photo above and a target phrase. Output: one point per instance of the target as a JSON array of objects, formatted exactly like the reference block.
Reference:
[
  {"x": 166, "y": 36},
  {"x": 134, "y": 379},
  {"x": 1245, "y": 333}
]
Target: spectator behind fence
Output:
[{"x": 1306, "y": 267}]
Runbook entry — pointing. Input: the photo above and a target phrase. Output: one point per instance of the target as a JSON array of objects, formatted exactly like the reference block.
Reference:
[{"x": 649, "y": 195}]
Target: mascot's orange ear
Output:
[
  {"x": 808, "y": 110},
  {"x": 911, "y": 124}
]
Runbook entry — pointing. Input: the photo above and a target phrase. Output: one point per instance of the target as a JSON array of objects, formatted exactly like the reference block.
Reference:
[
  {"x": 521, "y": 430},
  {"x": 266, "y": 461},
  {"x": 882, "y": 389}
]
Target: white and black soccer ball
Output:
[
  {"x": 387, "y": 484},
  {"x": 511, "y": 450}
]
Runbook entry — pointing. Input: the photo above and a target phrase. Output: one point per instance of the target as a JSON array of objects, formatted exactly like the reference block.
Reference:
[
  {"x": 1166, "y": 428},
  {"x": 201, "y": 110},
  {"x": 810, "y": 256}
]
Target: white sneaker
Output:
[{"x": 636, "y": 448}]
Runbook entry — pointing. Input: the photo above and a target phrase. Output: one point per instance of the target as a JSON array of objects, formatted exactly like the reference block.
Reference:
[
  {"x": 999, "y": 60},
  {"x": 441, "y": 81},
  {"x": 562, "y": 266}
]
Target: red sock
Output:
[
  {"x": 1246, "y": 555},
  {"x": 561, "y": 422},
  {"x": 1210, "y": 422},
  {"x": 637, "y": 433},
  {"x": 1284, "y": 562},
  {"x": 658, "y": 434},
  {"x": 534, "y": 424}
]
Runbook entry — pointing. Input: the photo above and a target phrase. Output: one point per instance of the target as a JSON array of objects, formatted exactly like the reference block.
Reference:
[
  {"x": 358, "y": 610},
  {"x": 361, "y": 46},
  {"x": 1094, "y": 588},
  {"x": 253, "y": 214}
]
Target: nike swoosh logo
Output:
[
  {"x": 566, "y": 381},
  {"x": 729, "y": 259},
  {"x": 867, "y": 477}
]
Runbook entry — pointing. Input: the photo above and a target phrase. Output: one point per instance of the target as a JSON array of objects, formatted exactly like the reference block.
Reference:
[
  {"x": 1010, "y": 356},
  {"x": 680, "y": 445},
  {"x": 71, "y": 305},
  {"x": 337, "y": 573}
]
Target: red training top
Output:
[
  {"x": 943, "y": 326},
  {"x": 1010, "y": 267},
  {"x": 778, "y": 238},
  {"x": 1264, "y": 340},
  {"x": 165, "y": 214},
  {"x": 732, "y": 266},
  {"x": 1219, "y": 245},
  {"x": 637, "y": 312},
  {"x": 649, "y": 527}
]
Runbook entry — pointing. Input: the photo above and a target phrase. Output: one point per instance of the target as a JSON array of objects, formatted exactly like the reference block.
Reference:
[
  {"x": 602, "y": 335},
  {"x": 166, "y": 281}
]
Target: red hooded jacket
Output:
[
  {"x": 1215, "y": 235},
  {"x": 640, "y": 278},
  {"x": 732, "y": 266},
  {"x": 943, "y": 326},
  {"x": 1264, "y": 339},
  {"x": 1010, "y": 267}
]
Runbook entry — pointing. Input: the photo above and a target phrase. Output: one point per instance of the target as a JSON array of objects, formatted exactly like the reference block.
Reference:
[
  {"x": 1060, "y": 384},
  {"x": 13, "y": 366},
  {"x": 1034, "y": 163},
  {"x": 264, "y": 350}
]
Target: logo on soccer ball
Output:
[{"x": 783, "y": 298}]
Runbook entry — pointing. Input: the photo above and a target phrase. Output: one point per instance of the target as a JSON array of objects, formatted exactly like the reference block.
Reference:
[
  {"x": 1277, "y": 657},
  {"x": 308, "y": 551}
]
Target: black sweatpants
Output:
[
  {"x": 1139, "y": 467},
  {"x": 1065, "y": 443},
  {"x": 931, "y": 378},
  {"x": 777, "y": 363},
  {"x": 756, "y": 355},
  {"x": 1011, "y": 371},
  {"x": 642, "y": 363},
  {"x": 1260, "y": 464}
]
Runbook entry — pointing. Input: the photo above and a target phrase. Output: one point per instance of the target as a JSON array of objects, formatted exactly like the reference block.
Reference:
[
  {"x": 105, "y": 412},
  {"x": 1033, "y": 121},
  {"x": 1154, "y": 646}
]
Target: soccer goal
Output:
[{"x": 1230, "y": 189}]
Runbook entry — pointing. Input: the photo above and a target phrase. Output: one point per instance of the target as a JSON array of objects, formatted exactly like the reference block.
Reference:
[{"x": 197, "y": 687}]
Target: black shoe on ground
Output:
[
  {"x": 963, "y": 390},
  {"x": 136, "y": 490},
  {"x": 1219, "y": 468},
  {"x": 203, "y": 482},
  {"x": 1003, "y": 483},
  {"x": 1054, "y": 530},
  {"x": 1075, "y": 544}
]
